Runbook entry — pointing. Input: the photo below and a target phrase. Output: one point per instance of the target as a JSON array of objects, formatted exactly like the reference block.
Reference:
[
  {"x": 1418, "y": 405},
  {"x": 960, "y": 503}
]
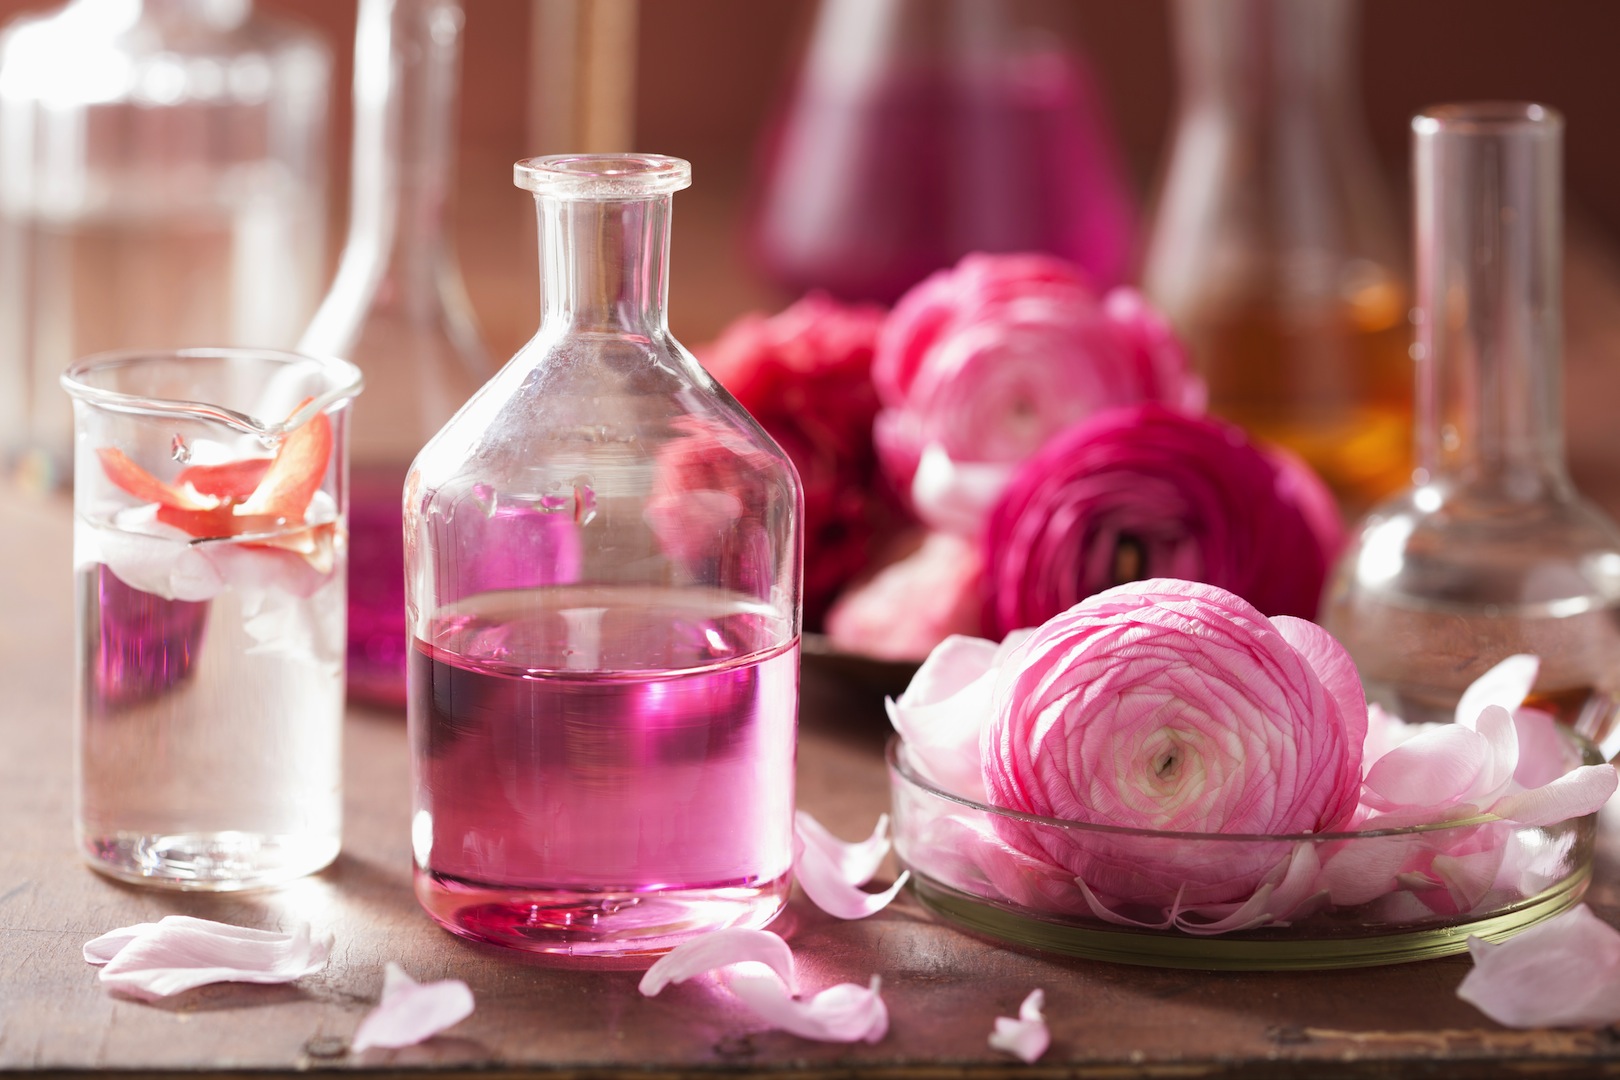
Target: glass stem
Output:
[{"x": 1489, "y": 294}]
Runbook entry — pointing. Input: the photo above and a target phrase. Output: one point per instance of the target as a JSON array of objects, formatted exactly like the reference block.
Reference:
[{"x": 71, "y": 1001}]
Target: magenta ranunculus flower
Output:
[
  {"x": 981, "y": 364},
  {"x": 1173, "y": 706},
  {"x": 1146, "y": 492}
]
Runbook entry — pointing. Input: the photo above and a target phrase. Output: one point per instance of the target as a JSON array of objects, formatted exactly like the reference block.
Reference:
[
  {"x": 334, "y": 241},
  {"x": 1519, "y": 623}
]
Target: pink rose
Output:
[
  {"x": 912, "y": 604},
  {"x": 1145, "y": 492},
  {"x": 1173, "y": 707},
  {"x": 805, "y": 375},
  {"x": 983, "y": 363}
]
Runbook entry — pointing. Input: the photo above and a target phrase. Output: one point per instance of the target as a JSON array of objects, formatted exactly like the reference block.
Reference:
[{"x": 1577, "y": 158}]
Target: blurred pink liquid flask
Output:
[
  {"x": 922, "y": 130},
  {"x": 603, "y": 594}
]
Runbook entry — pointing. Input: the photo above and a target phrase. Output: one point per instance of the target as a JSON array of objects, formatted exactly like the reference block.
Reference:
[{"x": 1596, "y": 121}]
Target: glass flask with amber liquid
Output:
[
  {"x": 1492, "y": 551},
  {"x": 1273, "y": 247}
]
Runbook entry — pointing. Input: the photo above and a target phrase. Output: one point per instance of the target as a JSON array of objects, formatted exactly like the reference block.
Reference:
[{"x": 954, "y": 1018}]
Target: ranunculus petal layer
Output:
[
  {"x": 1027, "y": 1037},
  {"x": 411, "y": 1012},
  {"x": 178, "y": 952},
  {"x": 1564, "y": 972}
]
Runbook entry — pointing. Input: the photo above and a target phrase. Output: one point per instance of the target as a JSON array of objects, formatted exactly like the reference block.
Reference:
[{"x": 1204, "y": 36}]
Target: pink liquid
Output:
[
  {"x": 872, "y": 187},
  {"x": 603, "y": 772},
  {"x": 376, "y": 651}
]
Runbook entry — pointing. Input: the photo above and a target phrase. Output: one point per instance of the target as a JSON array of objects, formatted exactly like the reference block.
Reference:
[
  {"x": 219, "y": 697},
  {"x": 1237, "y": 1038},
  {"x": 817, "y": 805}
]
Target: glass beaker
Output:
[
  {"x": 209, "y": 551},
  {"x": 397, "y": 307},
  {"x": 162, "y": 184},
  {"x": 922, "y": 130},
  {"x": 1492, "y": 552},
  {"x": 603, "y": 587},
  {"x": 1273, "y": 247}
]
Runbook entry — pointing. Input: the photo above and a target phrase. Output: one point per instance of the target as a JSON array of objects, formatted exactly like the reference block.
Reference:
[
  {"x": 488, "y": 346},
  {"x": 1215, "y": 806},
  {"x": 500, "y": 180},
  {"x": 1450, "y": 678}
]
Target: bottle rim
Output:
[
  {"x": 1488, "y": 118},
  {"x": 602, "y": 176}
]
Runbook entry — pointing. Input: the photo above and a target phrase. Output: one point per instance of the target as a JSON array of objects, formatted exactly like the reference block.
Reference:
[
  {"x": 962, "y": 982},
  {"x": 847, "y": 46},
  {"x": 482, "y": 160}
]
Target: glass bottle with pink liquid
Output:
[
  {"x": 397, "y": 307},
  {"x": 603, "y": 596}
]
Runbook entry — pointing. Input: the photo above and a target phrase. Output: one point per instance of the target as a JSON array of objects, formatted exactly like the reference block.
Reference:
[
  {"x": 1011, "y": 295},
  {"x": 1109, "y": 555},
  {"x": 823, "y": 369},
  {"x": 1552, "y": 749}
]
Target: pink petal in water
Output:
[
  {"x": 411, "y": 1012},
  {"x": 178, "y": 952},
  {"x": 831, "y": 871},
  {"x": 1026, "y": 1038},
  {"x": 1563, "y": 973},
  {"x": 759, "y": 970}
]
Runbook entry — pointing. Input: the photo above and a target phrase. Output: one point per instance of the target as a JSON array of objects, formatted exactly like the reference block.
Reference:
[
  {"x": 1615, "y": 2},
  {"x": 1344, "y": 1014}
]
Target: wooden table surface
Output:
[{"x": 943, "y": 988}]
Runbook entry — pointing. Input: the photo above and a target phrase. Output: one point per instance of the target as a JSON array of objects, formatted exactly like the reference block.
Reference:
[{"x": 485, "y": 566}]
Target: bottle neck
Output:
[
  {"x": 604, "y": 264},
  {"x": 407, "y": 55},
  {"x": 1258, "y": 63},
  {"x": 1488, "y": 221}
]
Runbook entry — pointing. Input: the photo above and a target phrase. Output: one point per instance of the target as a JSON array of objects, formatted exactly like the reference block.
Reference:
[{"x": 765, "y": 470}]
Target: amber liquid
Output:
[{"x": 1333, "y": 385}]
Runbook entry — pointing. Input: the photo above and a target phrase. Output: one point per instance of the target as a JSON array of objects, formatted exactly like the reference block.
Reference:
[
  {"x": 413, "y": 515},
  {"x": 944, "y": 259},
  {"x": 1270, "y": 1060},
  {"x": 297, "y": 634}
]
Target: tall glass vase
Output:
[
  {"x": 1273, "y": 246},
  {"x": 1492, "y": 552},
  {"x": 603, "y": 562},
  {"x": 397, "y": 307},
  {"x": 162, "y": 184}
]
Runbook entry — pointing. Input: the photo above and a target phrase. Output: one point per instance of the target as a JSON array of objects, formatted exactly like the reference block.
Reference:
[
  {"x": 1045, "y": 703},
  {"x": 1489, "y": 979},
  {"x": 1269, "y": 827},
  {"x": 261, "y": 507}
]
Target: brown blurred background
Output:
[{"x": 708, "y": 73}]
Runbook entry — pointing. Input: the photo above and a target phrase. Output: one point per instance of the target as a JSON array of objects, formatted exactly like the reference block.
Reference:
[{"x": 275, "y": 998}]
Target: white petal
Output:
[
  {"x": 1579, "y": 792},
  {"x": 1502, "y": 736},
  {"x": 179, "y": 953},
  {"x": 820, "y": 878},
  {"x": 856, "y": 862},
  {"x": 956, "y": 496},
  {"x": 1026, "y": 1037},
  {"x": 717, "y": 950},
  {"x": 842, "y": 1013},
  {"x": 104, "y": 948},
  {"x": 1507, "y": 684},
  {"x": 1564, "y": 972},
  {"x": 411, "y": 1012}
]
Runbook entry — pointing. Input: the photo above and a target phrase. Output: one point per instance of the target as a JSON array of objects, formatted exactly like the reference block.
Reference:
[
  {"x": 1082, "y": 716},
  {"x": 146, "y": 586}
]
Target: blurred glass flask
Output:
[
  {"x": 162, "y": 184},
  {"x": 922, "y": 130},
  {"x": 1273, "y": 247},
  {"x": 1492, "y": 552},
  {"x": 397, "y": 308}
]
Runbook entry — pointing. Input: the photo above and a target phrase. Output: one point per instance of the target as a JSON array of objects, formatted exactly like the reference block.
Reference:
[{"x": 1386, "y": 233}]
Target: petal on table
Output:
[
  {"x": 1579, "y": 792},
  {"x": 842, "y": 1013},
  {"x": 1026, "y": 1038},
  {"x": 179, "y": 953},
  {"x": 717, "y": 950},
  {"x": 410, "y": 1012},
  {"x": 856, "y": 861},
  {"x": 1563, "y": 973},
  {"x": 104, "y": 948},
  {"x": 825, "y": 884}
]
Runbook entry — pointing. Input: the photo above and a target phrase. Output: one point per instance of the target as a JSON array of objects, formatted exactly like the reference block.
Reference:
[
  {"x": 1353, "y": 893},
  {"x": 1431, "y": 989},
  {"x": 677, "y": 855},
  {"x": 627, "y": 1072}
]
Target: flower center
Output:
[
  {"x": 1168, "y": 763},
  {"x": 1130, "y": 558}
]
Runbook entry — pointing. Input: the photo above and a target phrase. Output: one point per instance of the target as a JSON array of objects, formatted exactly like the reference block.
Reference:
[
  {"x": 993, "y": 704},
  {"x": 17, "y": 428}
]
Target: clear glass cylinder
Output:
[
  {"x": 603, "y": 593},
  {"x": 1273, "y": 246},
  {"x": 1492, "y": 552},
  {"x": 162, "y": 184},
  {"x": 209, "y": 552},
  {"x": 397, "y": 306},
  {"x": 919, "y": 131}
]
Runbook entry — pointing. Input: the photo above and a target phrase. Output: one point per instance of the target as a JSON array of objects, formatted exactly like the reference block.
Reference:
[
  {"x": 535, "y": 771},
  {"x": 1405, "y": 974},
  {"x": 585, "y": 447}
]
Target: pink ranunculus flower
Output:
[
  {"x": 1145, "y": 492},
  {"x": 981, "y": 364},
  {"x": 1173, "y": 706}
]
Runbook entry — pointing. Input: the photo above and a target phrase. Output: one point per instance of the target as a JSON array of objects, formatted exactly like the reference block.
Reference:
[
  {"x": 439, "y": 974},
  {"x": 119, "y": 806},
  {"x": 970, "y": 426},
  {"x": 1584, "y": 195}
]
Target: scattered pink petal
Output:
[
  {"x": 1026, "y": 1038},
  {"x": 411, "y": 1012},
  {"x": 842, "y": 1013},
  {"x": 908, "y": 606},
  {"x": 831, "y": 872},
  {"x": 1564, "y": 972},
  {"x": 732, "y": 946},
  {"x": 177, "y": 953},
  {"x": 759, "y": 970}
]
